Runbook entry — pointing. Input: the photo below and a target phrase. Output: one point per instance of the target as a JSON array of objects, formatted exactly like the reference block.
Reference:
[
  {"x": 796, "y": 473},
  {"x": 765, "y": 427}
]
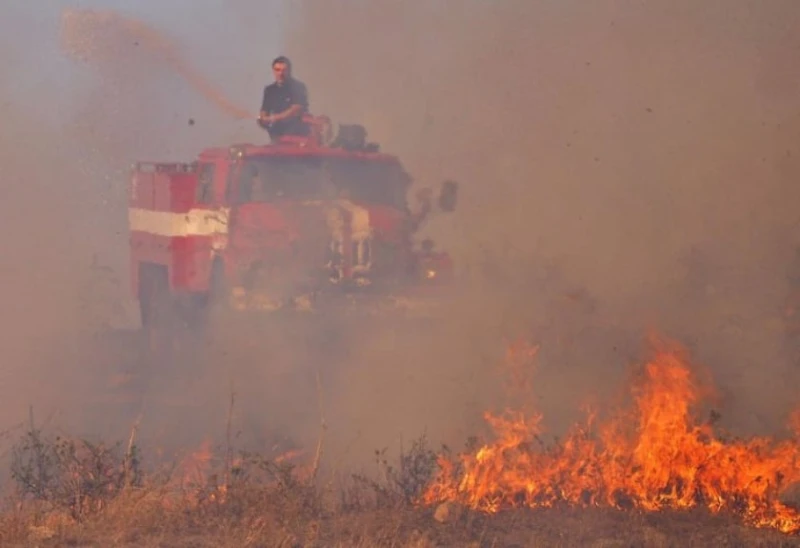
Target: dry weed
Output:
[{"x": 72, "y": 492}]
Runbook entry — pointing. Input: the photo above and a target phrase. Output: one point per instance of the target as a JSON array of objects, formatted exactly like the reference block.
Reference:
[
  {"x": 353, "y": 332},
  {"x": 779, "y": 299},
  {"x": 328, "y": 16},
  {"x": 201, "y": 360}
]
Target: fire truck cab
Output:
[{"x": 276, "y": 225}]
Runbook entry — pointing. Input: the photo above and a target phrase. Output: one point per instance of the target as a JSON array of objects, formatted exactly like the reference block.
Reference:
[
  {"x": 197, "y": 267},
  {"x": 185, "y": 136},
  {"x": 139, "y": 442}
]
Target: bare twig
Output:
[
  {"x": 228, "y": 440},
  {"x": 128, "y": 464},
  {"x": 402, "y": 458},
  {"x": 6, "y": 434},
  {"x": 323, "y": 427},
  {"x": 37, "y": 448}
]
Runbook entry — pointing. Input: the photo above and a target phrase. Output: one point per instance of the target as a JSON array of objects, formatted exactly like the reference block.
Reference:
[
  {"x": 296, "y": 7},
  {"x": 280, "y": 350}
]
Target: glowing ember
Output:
[{"x": 653, "y": 456}]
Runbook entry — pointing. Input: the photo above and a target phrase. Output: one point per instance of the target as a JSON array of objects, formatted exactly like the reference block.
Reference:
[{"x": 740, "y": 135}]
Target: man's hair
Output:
[{"x": 283, "y": 59}]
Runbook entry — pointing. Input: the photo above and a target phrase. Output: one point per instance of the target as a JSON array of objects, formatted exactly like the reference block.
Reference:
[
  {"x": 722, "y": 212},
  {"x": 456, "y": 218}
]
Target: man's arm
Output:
[
  {"x": 301, "y": 96},
  {"x": 263, "y": 117},
  {"x": 294, "y": 110},
  {"x": 298, "y": 108}
]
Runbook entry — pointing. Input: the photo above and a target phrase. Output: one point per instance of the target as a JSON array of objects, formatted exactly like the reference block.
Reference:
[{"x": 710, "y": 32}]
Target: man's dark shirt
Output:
[{"x": 279, "y": 98}]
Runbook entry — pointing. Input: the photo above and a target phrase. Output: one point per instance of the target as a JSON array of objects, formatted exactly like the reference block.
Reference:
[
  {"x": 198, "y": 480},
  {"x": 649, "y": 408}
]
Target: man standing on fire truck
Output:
[{"x": 284, "y": 103}]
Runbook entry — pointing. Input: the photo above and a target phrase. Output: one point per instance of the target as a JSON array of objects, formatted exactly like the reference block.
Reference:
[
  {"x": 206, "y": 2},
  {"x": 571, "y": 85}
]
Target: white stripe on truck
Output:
[
  {"x": 195, "y": 222},
  {"x": 208, "y": 222}
]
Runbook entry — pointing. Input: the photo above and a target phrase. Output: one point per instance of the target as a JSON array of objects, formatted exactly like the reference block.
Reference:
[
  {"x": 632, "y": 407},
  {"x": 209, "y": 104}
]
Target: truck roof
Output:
[
  {"x": 283, "y": 149},
  {"x": 350, "y": 143}
]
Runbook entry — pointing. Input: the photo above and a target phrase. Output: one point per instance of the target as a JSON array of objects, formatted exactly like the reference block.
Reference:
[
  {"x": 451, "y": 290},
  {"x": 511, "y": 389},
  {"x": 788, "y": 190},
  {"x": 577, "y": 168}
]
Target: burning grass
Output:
[
  {"x": 650, "y": 473},
  {"x": 654, "y": 455}
]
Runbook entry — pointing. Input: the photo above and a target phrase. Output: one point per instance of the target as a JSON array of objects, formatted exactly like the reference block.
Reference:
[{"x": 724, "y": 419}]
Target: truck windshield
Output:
[{"x": 270, "y": 178}]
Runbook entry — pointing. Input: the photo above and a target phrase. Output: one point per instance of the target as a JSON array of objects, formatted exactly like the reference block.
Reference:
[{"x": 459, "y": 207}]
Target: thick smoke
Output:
[
  {"x": 643, "y": 154},
  {"x": 624, "y": 166},
  {"x": 43, "y": 271},
  {"x": 83, "y": 94}
]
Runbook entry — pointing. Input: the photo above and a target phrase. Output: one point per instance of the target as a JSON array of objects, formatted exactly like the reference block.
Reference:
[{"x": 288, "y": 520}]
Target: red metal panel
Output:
[
  {"x": 141, "y": 190},
  {"x": 182, "y": 189},
  {"x": 191, "y": 263},
  {"x": 162, "y": 199},
  {"x": 147, "y": 248}
]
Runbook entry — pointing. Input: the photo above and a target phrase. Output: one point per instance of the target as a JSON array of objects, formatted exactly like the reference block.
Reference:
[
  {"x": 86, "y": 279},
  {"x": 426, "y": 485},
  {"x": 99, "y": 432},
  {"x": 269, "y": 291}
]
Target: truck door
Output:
[{"x": 206, "y": 228}]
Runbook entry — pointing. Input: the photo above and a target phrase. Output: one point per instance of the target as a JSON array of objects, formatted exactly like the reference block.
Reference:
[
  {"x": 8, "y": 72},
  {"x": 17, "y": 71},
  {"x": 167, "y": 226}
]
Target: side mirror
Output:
[{"x": 448, "y": 196}]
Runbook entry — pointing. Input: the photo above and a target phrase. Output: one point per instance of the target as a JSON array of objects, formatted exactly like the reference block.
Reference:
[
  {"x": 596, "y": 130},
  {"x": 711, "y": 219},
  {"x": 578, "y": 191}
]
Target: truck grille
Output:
[{"x": 360, "y": 259}]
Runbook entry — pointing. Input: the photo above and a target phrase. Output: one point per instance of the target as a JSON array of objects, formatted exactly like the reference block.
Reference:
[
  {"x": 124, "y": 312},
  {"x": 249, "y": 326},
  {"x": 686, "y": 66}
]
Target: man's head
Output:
[{"x": 281, "y": 69}]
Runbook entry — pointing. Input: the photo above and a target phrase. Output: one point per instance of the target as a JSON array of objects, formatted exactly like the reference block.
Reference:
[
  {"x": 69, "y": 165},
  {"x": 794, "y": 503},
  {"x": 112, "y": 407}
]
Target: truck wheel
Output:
[
  {"x": 157, "y": 309},
  {"x": 218, "y": 292},
  {"x": 199, "y": 308},
  {"x": 156, "y": 304}
]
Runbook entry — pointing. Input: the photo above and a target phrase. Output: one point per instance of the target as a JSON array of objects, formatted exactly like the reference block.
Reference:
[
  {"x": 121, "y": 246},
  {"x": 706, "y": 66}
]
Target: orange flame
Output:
[
  {"x": 652, "y": 456},
  {"x": 193, "y": 469}
]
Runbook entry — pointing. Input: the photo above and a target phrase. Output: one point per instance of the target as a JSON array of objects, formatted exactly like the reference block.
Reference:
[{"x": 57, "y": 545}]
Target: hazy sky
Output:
[{"x": 217, "y": 37}]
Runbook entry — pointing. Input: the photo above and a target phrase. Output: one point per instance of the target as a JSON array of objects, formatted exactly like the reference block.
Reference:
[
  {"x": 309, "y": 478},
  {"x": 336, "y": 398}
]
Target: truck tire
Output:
[
  {"x": 200, "y": 308},
  {"x": 156, "y": 305},
  {"x": 218, "y": 292}
]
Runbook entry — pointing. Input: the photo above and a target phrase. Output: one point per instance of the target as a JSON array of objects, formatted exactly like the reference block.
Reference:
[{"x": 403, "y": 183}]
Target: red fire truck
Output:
[{"x": 291, "y": 225}]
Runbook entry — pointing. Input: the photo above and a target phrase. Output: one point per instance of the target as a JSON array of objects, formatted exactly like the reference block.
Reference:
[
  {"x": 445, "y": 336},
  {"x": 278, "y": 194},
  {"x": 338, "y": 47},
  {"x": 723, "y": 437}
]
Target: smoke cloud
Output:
[
  {"x": 624, "y": 166},
  {"x": 83, "y": 94}
]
